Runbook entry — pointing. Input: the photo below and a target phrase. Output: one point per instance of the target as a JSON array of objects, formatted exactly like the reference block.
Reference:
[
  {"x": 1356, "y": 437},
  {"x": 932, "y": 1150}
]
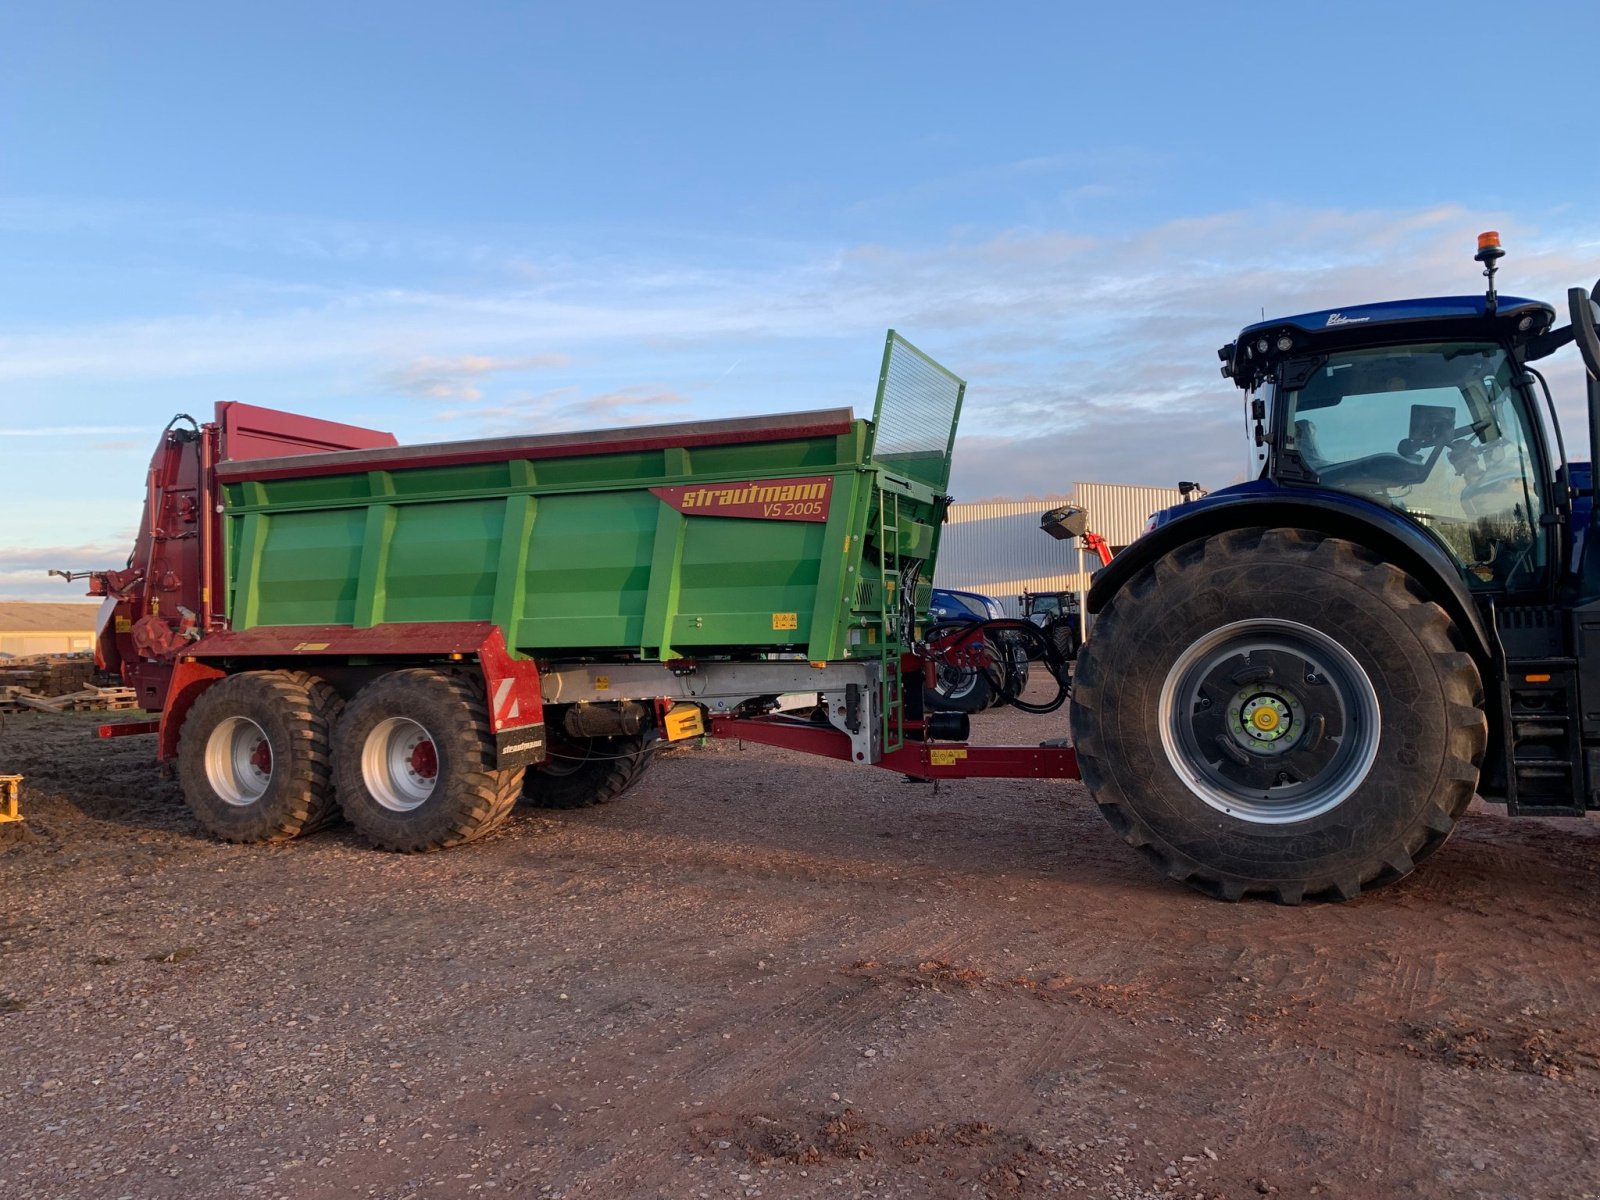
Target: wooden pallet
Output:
[{"x": 90, "y": 699}]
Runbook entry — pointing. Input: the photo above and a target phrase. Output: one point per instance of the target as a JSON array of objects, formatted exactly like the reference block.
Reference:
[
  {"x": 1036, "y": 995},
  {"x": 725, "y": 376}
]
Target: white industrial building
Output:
[{"x": 996, "y": 546}]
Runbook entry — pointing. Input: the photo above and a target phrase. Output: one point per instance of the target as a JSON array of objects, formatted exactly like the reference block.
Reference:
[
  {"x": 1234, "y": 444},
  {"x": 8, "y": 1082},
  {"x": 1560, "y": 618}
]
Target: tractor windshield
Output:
[{"x": 1437, "y": 432}]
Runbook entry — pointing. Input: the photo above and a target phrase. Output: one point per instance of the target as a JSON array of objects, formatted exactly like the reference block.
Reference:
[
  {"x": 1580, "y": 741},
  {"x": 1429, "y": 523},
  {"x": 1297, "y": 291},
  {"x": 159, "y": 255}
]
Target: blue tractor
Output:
[
  {"x": 1296, "y": 685},
  {"x": 1000, "y": 670}
]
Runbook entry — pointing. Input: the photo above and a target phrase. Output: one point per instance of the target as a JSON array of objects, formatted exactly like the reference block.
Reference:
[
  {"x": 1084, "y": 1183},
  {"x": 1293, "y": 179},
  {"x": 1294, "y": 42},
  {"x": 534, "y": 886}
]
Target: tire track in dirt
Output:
[
  {"x": 1362, "y": 1100},
  {"x": 1011, "y": 1093},
  {"x": 729, "y": 1078}
]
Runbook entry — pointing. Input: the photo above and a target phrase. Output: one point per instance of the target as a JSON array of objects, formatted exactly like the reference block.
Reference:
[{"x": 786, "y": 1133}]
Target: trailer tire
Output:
[
  {"x": 416, "y": 762},
  {"x": 1375, "y": 764},
  {"x": 255, "y": 756},
  {"x": 584, "y": 771}
]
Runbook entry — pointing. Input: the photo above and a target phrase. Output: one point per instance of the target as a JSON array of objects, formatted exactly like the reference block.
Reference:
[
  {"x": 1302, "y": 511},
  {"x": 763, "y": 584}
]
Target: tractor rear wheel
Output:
[
  {"x": 255, "y": 756},
  {"x": 416, "y": 762},
  {"x": 1278, "y": 712},
  {"x": 579, "y": 772}
]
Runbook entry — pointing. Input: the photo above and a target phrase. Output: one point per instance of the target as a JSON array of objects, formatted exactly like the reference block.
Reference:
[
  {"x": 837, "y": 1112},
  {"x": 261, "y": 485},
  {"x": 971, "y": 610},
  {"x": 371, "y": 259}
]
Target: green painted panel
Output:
[
  {"x": 576, "y": 555},
  {"x": 306, "y": 570},
  {"x": 443, "y": 561}
]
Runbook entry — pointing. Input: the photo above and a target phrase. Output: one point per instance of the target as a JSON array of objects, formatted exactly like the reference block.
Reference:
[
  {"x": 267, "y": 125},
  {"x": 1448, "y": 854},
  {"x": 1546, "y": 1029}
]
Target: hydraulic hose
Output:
[{"x": 984, "y": 641}]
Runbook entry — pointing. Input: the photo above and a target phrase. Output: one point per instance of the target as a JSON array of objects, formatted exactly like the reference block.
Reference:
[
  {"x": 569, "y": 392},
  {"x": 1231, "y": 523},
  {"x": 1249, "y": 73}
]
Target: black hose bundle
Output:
[{"x": 996, "y": 656}]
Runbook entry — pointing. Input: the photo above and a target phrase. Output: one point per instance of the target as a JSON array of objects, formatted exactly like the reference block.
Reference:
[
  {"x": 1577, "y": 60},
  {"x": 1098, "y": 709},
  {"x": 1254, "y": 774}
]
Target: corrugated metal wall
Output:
[{"x": 996, "y": 546}]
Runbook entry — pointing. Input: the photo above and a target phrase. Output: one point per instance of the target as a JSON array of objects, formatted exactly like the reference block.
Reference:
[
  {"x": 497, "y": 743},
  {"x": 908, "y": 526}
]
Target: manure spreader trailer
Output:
[{"x": 418, "y": 636}]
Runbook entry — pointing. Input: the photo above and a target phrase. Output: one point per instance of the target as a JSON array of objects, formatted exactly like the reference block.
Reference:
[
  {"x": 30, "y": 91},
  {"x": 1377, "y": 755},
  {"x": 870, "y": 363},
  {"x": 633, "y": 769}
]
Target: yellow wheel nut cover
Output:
[{"x": 1265, "y": 719}]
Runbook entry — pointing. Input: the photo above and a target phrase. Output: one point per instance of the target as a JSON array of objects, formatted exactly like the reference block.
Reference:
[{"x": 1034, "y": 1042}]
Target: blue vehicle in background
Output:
[
  {"x": 971, "y": 689},
  {"x": 1295, "y": 686},
  {"x": 948, "y": 604}
]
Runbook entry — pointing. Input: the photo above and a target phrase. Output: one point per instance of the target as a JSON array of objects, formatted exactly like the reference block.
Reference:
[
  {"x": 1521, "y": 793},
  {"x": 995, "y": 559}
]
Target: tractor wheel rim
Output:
[
  {"x": 238, "y": 761},
  {"x": 956, "y": 683},
  {"x": 1269, "y": 721},
  {"x": 400, "y": 764}
]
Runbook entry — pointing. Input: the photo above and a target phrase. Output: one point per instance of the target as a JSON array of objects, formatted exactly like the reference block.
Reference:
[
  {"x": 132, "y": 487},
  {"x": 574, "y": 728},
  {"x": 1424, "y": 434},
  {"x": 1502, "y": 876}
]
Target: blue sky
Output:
[{"x": 455, "y": 220}]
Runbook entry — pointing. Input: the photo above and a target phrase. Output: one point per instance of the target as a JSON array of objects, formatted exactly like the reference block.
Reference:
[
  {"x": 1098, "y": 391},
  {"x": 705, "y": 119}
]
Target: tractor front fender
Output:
[
  {"x": 1262, "y": 505},
  {"x": 1384, "y": 532}
]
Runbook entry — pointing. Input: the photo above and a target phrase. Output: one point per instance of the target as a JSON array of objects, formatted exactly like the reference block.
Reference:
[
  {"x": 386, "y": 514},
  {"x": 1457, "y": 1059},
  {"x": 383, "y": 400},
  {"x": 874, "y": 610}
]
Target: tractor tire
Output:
[
  {"x": 1279, "y": 713},
  {"x": 416, "y": 762},
  {"x": 1065, "y": 638},
  {"x": 255, "y": 756},
  {"x": 583, "y": 771}
]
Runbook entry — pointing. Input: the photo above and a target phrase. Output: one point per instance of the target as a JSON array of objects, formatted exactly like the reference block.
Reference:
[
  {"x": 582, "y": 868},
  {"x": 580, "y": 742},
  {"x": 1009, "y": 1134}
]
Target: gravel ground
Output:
[{"x": 761, "y": 974}]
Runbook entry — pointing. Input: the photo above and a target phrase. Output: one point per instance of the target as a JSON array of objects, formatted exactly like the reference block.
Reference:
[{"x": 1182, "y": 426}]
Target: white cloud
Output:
[
  {"x": 449, "y": 378},
  {"x": 564, "y": 409},
  {"x": 1081, "y": 348},
  {"x": 46, "y": 431}
]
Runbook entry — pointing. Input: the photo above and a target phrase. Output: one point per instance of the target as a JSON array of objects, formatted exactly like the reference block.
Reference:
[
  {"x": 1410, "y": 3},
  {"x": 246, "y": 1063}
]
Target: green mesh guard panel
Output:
[{"x": 914, "y": 422}]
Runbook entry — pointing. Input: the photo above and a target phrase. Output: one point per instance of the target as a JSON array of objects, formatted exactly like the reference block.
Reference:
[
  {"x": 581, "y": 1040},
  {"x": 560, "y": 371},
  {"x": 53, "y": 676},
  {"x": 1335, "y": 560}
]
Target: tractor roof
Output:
[{"x": 1250, "y": 358}]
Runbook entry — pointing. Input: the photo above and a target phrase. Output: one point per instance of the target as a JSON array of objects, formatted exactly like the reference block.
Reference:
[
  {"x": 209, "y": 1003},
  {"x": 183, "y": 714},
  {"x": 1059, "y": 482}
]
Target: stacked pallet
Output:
[
  {"x": 48, "y": 674},
  {"x": 88, "y": 699}
]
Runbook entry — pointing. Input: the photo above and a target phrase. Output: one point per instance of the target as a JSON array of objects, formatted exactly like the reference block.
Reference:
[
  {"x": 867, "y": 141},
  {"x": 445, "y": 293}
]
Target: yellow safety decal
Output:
[
  {"x": 684, "y": 721},
  {"x": 945, "y": 758},
  {"x": 602, "y": 683},
  {"x": 786, "y": 620},
  {"x": 309, "y": 646},
  {"x": 124, "y": 624}
]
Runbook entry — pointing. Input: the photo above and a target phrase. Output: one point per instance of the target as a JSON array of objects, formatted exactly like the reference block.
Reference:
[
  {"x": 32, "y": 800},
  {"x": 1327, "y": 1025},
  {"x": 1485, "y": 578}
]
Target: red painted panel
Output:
[
  {"x": 738, "y": 431},
  {"x": 252, "y": 432},
  {"x": 189, "y": 679},
  {"x": 942, "y": 760},
  {"x": 515, "y": 697},
  {"x": 312, "y": 641},
  {"x": 983, "y": 762}
]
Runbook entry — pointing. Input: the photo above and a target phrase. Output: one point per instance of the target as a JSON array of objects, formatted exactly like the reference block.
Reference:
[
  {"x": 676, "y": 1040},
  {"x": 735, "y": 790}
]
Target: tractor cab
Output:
[{"x": 1426, "y": 408}]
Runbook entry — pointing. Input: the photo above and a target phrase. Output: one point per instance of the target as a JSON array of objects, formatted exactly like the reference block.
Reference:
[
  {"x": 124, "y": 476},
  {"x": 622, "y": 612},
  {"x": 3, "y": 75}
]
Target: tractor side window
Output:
[{"x": 1438, "y": 433}]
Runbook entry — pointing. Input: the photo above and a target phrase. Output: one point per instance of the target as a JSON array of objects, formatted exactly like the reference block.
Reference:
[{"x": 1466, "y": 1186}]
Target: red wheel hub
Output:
[
  {"x": 425, "y": 760},
  {"x": 261, "y": 757}
]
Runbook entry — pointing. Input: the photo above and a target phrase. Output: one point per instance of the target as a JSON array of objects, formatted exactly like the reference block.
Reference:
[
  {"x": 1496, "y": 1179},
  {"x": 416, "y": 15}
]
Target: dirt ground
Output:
[{"x": 761, "y": 974}]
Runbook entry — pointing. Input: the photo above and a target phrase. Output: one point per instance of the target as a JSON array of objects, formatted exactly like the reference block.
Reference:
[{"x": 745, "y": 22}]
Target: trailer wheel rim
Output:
[
  {"x": 400, "y": 764},
  {"x": 238, "y": 761},
  {"x": 1269, "y": 721}
]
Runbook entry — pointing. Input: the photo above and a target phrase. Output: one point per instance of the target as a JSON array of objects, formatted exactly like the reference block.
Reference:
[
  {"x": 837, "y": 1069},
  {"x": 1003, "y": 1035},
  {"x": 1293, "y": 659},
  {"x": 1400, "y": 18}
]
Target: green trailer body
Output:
[
  {"x": 785, "y": 534},
  {"x": 418, "y": 636}
]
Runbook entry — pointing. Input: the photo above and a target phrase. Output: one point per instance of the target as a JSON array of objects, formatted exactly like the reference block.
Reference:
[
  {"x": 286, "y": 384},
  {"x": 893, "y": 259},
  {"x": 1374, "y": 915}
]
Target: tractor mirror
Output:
[{"x": 1585, "y": 317}]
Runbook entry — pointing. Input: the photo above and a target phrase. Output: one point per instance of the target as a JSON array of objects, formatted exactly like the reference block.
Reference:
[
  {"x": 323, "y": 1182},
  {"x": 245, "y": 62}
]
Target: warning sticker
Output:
[
  {"x": 945, "y": 758},
  {"x": 786, "y": 620}
]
